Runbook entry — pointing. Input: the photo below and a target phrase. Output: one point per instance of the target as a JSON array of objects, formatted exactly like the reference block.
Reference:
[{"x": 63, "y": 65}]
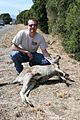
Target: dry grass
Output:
[{"x": 53, "y": 100}]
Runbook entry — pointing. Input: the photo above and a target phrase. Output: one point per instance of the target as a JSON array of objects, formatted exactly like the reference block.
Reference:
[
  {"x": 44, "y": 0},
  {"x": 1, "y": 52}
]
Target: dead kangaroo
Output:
[{"x": 30, "y": 76}]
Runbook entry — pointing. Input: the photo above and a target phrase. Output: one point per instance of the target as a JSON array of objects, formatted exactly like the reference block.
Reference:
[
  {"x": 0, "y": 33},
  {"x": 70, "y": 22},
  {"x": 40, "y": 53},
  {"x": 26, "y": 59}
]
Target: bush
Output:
[{"x": 67, "y": 23}]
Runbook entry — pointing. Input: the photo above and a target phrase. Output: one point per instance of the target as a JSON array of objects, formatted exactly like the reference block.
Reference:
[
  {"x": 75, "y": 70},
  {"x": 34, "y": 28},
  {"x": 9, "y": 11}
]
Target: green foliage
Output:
[
  {"x": 52, "y": 14},
  {"x": 41, "y": 14},
  {"x": 66, "y": 23},
  {"x": 70, "y": 44},
  {"x": 6, "y": 17},
  {"x": 24, "y": 16},
  {"x": 77, "y": 56}
]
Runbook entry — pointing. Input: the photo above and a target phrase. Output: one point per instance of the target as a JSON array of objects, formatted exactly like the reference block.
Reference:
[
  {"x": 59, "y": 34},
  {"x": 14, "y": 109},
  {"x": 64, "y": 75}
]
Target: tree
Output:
[
  {"x": 6, "y": 17},
  {"x": 39, "y": 8},
  {"x": 67, "y": 23},
  {"x": 24, "y": 16}
]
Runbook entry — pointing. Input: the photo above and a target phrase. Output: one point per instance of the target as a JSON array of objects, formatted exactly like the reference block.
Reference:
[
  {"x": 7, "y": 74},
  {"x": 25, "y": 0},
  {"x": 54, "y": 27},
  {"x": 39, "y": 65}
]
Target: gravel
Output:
[{"x": 4, "y": 30}]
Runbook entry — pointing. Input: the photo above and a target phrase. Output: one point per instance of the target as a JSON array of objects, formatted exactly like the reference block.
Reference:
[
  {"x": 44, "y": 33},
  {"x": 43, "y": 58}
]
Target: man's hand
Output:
[{"x": 30, "y": 55}]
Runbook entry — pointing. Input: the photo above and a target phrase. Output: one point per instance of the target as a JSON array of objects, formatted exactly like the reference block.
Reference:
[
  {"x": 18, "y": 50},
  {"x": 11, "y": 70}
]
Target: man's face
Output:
[{"x": 32, "y": 26}]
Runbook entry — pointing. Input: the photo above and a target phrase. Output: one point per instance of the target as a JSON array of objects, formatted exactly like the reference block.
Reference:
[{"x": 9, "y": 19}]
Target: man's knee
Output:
[{"x": 14, "y": 55}]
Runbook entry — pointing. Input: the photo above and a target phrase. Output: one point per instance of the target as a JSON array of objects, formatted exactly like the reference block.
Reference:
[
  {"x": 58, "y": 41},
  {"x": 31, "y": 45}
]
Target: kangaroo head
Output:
[{"x": 54, "y": 60}]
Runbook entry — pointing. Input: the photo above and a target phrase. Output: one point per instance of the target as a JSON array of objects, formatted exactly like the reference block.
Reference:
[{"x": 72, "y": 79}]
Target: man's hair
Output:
[{"x": 33, "y": 19}]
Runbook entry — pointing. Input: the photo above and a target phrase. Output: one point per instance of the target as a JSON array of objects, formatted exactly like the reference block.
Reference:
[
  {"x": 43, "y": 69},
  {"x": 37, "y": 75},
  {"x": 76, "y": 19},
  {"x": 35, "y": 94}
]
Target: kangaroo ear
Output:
[
  {"x": 58, "y": 57},
  {"x": 53, "y": 60}
]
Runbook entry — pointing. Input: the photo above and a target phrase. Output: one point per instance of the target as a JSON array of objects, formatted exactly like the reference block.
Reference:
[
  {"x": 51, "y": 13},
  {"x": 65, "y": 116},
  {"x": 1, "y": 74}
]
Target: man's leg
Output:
[
  {"x": 38, "y": 59},
  {"x": 18, "y": 58}
]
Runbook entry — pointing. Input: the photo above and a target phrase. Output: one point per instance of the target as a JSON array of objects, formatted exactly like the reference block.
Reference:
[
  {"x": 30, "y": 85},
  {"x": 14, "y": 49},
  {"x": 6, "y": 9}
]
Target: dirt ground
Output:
[{"x": 53, "y": 100}]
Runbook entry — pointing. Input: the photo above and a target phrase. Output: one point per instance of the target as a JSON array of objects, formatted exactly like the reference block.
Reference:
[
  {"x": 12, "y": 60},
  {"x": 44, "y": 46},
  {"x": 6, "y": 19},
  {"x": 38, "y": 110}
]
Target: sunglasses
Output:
[{"x": 35, "y": 25}]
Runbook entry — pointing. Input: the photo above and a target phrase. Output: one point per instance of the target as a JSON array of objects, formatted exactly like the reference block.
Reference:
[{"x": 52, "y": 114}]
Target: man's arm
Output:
[
  {"x": 45, "y": 53},
  {"x": 16, "y": 48}
]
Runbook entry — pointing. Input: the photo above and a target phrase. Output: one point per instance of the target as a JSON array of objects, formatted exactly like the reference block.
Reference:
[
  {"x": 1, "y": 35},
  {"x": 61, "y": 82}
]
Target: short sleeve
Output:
[
  {"x": 18, "y": 38},
  {"x": 43, "y": 44}
]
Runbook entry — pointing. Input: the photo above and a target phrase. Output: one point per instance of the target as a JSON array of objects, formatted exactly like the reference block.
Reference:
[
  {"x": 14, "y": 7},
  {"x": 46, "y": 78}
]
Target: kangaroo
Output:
[{"x": 32, "y": 75}]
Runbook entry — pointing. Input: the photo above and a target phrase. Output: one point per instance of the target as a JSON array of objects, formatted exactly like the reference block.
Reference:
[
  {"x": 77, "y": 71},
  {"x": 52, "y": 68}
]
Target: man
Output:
[{"x": 25, "y": 46}]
